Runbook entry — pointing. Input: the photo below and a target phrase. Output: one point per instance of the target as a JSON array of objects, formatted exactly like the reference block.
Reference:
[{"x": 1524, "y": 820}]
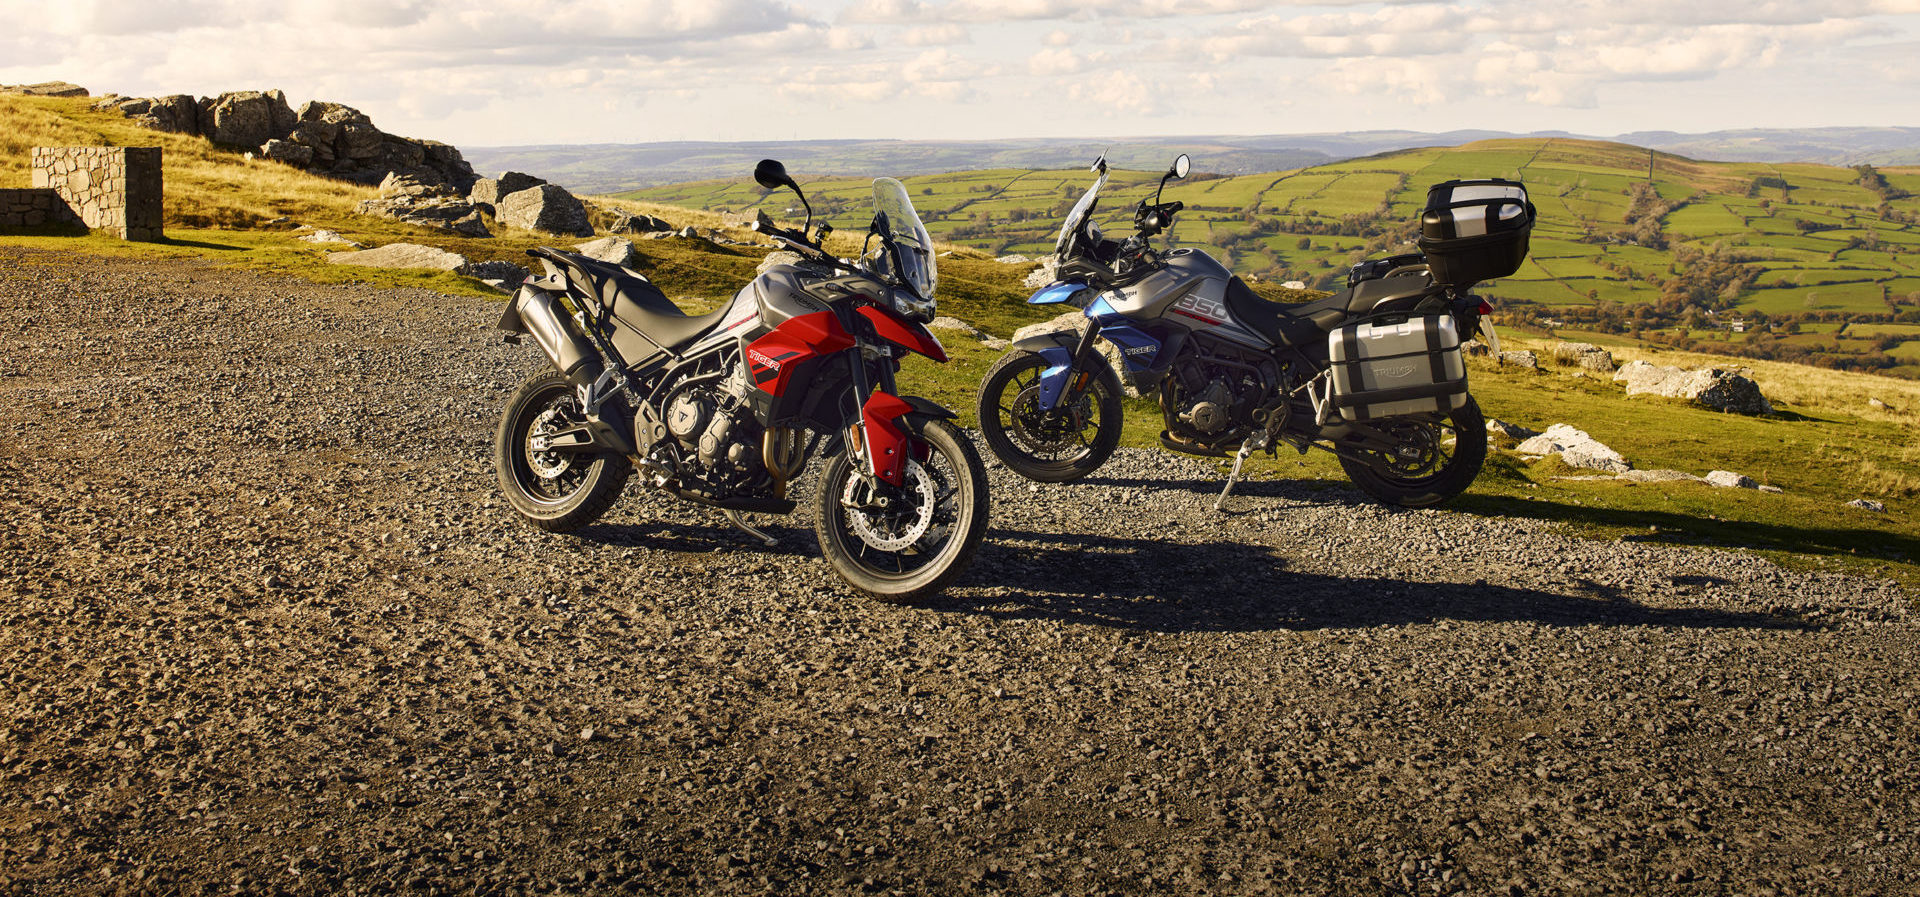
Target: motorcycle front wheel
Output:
[
  {"x": 1057, "y": 446},
  {"x": 902, "y": 543},
  {"x": 555, "y": 491},
  {"x": 1435, "y": 460}
]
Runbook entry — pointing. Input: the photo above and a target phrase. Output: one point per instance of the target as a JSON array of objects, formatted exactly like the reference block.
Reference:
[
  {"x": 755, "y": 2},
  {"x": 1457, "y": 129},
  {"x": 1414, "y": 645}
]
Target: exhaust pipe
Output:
[{"x": 541, "y": 315}]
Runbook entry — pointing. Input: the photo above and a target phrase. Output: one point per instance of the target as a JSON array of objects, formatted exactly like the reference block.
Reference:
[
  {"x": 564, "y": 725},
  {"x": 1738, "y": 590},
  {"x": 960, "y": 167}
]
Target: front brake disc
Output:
[{"x": 887, "y": 529}]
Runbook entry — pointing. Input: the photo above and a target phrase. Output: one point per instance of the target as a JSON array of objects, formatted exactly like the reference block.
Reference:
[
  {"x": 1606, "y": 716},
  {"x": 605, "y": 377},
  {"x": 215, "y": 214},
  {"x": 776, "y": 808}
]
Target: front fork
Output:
[
  {"x": 1069, "y": 372},
  {"x": 876, "y": 437}
]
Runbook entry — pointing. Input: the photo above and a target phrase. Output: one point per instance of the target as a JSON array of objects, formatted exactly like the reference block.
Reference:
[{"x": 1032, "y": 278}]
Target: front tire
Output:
[
  {"x": 555, "y": 491},
  {"x": 1057, "y": 446},
  {"x": 923, "y": 534},
  {"x": 1439, "y": 461}
]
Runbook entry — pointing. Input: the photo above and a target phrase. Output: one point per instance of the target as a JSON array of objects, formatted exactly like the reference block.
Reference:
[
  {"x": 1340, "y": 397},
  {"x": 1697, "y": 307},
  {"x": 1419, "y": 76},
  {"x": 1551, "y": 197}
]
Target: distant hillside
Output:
[
  {"x": 1628, "y": 238},
  {"x": 609, "y": 168}
]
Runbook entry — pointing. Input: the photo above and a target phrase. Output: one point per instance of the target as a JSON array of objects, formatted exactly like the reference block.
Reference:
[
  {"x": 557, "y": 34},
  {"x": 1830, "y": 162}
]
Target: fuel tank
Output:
[{"x": 1190, "y": 291}]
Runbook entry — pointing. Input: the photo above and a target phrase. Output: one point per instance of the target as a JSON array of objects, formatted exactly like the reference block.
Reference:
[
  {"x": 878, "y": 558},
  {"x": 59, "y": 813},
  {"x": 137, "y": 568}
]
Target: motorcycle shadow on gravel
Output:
[
  {"x": 687, "y": 537},
  {"x": 1226, "y": 586},
  {"x": 1303, "y": 490}
]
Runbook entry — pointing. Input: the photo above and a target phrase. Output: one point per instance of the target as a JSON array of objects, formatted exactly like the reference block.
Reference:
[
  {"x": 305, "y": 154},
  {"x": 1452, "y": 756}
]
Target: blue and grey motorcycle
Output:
[{"x": 1372, "y": 373}]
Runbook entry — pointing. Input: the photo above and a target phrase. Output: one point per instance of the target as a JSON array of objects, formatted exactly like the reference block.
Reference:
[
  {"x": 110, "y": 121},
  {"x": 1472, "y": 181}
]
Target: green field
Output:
[{"x": 1821, "y": 243}]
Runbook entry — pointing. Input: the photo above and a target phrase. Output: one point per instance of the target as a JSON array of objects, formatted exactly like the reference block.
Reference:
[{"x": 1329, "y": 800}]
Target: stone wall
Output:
[
  {"x": 34, "y": 209},
  {"x": 116, "y": 189}
]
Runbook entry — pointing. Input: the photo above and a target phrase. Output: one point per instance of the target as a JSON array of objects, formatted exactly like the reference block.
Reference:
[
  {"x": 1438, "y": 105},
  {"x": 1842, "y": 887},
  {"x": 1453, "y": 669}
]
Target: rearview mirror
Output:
[
  {"x": 1181, "y": 166},
  {"x": 882, "y": 226},
  {"x": 770, "y": 174}
]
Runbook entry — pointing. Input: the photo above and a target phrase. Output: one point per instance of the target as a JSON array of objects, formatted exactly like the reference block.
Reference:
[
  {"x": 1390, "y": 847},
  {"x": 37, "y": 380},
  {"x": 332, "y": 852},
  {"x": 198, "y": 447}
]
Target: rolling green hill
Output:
[{"x": 1628, "y": 238}]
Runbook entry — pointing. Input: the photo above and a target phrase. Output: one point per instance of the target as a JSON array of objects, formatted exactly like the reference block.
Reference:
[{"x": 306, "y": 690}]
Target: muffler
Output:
[{"x": 540, "y": 314}]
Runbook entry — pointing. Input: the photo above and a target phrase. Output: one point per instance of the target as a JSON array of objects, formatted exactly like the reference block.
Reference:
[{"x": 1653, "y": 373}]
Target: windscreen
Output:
[
  {"x": 909, "y": 234},
  {"x": 1080, "y": 211}
]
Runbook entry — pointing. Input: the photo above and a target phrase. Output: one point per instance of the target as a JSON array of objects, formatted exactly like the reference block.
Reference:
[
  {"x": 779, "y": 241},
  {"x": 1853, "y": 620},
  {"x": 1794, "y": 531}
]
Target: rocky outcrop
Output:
[
  {"x": 487, "y": 192},
  {"x": 502, "y": 276},
  {"x": 175, "y": 113},
  {"x": 1514, "y": 431},
  {"x": 1522, "y": 358},
  {"x": 1576, "y": 448},
  {"x": 1039, "y": 277},
  {"x": 546, "y": 208},
  {"x": 44, "y": 89},
  {"x": 1868, "y": 504},
  {"x": 1717, "y": 388},
  {"x": 407, "y": 198},
  {"x": 629, "y": 223},
  {"x": 612, "y": 250},
  {"x": 321, "y": 137},
  {"x": 1727, "y": 479},
  {"x": 245, "y": 119},
  {"x": 1585, "y": 356},
  {"x": 401, "y": 255}
]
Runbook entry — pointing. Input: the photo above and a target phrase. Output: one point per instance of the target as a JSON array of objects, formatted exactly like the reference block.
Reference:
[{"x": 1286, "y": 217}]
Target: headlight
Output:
[{"x": 913, "y": 307}]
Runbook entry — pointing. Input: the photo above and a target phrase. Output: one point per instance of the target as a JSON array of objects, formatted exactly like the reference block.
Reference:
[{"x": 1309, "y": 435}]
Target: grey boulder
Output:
[
  {"x": 1717, "y": 388},
  {"x": 545, "y": 208}
]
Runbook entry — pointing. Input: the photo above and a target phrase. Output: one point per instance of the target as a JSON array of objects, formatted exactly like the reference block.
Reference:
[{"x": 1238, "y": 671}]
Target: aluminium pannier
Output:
[
  {"x": 1397, "y": 366},
  {"x": 1475, "y": 230}
]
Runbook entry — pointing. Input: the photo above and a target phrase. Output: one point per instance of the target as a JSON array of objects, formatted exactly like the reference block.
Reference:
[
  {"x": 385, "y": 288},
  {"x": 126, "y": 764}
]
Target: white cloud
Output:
[
  {"x": 937, "y": 36},
  {"x": 893, "y": 66},
  {"x": 1116, "y": 95},
  {"x": 1056, "y": 61}
]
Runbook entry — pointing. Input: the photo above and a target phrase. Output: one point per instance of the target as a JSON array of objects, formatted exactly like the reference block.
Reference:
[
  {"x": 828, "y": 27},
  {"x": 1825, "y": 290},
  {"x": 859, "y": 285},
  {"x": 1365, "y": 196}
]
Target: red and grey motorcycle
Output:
[{"x": 726, "y": 409}]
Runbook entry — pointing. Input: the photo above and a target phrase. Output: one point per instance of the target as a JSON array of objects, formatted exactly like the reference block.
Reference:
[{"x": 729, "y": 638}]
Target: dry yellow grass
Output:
[
  {"x": 1795, "y": 387},
  {"x": 205, "y": 187}
]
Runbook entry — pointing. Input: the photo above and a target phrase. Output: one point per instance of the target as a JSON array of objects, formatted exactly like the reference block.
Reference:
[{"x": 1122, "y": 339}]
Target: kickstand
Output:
[
  {"x": 1246, "y": 448},
  {"x": 765, "y": 539}
]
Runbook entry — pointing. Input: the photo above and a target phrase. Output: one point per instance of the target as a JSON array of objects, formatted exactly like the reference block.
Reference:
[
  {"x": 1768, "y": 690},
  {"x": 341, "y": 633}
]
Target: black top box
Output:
[{"x": 1475, "y": 230}]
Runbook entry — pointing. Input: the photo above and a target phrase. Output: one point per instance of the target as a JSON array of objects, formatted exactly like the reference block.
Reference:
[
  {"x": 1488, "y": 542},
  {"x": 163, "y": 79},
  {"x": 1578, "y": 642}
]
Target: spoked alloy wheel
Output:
[
  {"x": 555, "y": 491},
  {"x": 1434, "y": 461},
  {"x": 1055, "y": 446},
  {"x": 899, "y": 543}
]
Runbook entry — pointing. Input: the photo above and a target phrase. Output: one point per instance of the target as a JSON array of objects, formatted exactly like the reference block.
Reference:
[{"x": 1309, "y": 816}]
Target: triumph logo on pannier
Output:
[{"x": 1396, "y": 373}]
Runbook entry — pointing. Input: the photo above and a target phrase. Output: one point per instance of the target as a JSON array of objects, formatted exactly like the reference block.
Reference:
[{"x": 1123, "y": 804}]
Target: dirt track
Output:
[{"x": 265, "y": 626}]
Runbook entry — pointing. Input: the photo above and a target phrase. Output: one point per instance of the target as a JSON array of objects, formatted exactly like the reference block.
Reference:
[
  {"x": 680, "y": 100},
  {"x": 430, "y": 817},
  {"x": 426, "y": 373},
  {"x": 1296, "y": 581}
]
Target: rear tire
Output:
[
  {"x": 1445, "y": 459},
  {"x": 937, "y": 539},
  {"x": 1047, "y": 447},
  {"x": 555, "y": 491}
]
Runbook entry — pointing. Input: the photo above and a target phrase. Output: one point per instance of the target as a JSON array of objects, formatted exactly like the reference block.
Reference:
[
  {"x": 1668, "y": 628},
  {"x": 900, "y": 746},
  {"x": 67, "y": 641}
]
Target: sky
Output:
[{"x": 632, "y": 71}]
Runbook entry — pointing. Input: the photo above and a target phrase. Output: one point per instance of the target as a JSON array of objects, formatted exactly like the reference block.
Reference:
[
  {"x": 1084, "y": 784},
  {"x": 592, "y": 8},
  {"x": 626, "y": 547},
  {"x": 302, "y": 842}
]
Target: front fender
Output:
[{"x": 886, "y": 440}]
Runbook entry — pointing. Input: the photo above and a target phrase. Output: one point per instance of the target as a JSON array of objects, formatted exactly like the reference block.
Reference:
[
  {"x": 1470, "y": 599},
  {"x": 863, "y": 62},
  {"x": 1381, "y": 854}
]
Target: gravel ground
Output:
[{"x": 265, "y": 626}]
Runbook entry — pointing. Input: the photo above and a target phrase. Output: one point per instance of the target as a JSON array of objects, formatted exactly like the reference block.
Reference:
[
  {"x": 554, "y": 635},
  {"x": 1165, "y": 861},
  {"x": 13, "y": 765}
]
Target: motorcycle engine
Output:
[
  {"x": 718, "y": 438},
  {"x": 1212, "y": 411},
  {"x": 1214, "y": 394}
]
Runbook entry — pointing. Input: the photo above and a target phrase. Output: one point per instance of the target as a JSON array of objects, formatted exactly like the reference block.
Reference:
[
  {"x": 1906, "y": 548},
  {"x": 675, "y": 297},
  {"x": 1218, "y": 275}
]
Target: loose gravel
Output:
[{"x": 267, "y": 627}]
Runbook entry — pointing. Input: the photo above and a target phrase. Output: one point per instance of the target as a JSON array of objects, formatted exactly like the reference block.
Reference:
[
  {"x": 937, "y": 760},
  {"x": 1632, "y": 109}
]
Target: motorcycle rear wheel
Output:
[
  {"x": 1442, "y": 460},
  {"x": 1047, "y": 446},
  {"x": 555, "y": 491},
  {"x": 929, "y": 533}
]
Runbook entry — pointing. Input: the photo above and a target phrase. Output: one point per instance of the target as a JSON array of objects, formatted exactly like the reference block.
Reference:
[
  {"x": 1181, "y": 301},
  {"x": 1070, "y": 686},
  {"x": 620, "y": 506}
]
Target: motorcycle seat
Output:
[
  {"x": 1309, "y": 322},
  {"x": 635, "y": 302}
]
